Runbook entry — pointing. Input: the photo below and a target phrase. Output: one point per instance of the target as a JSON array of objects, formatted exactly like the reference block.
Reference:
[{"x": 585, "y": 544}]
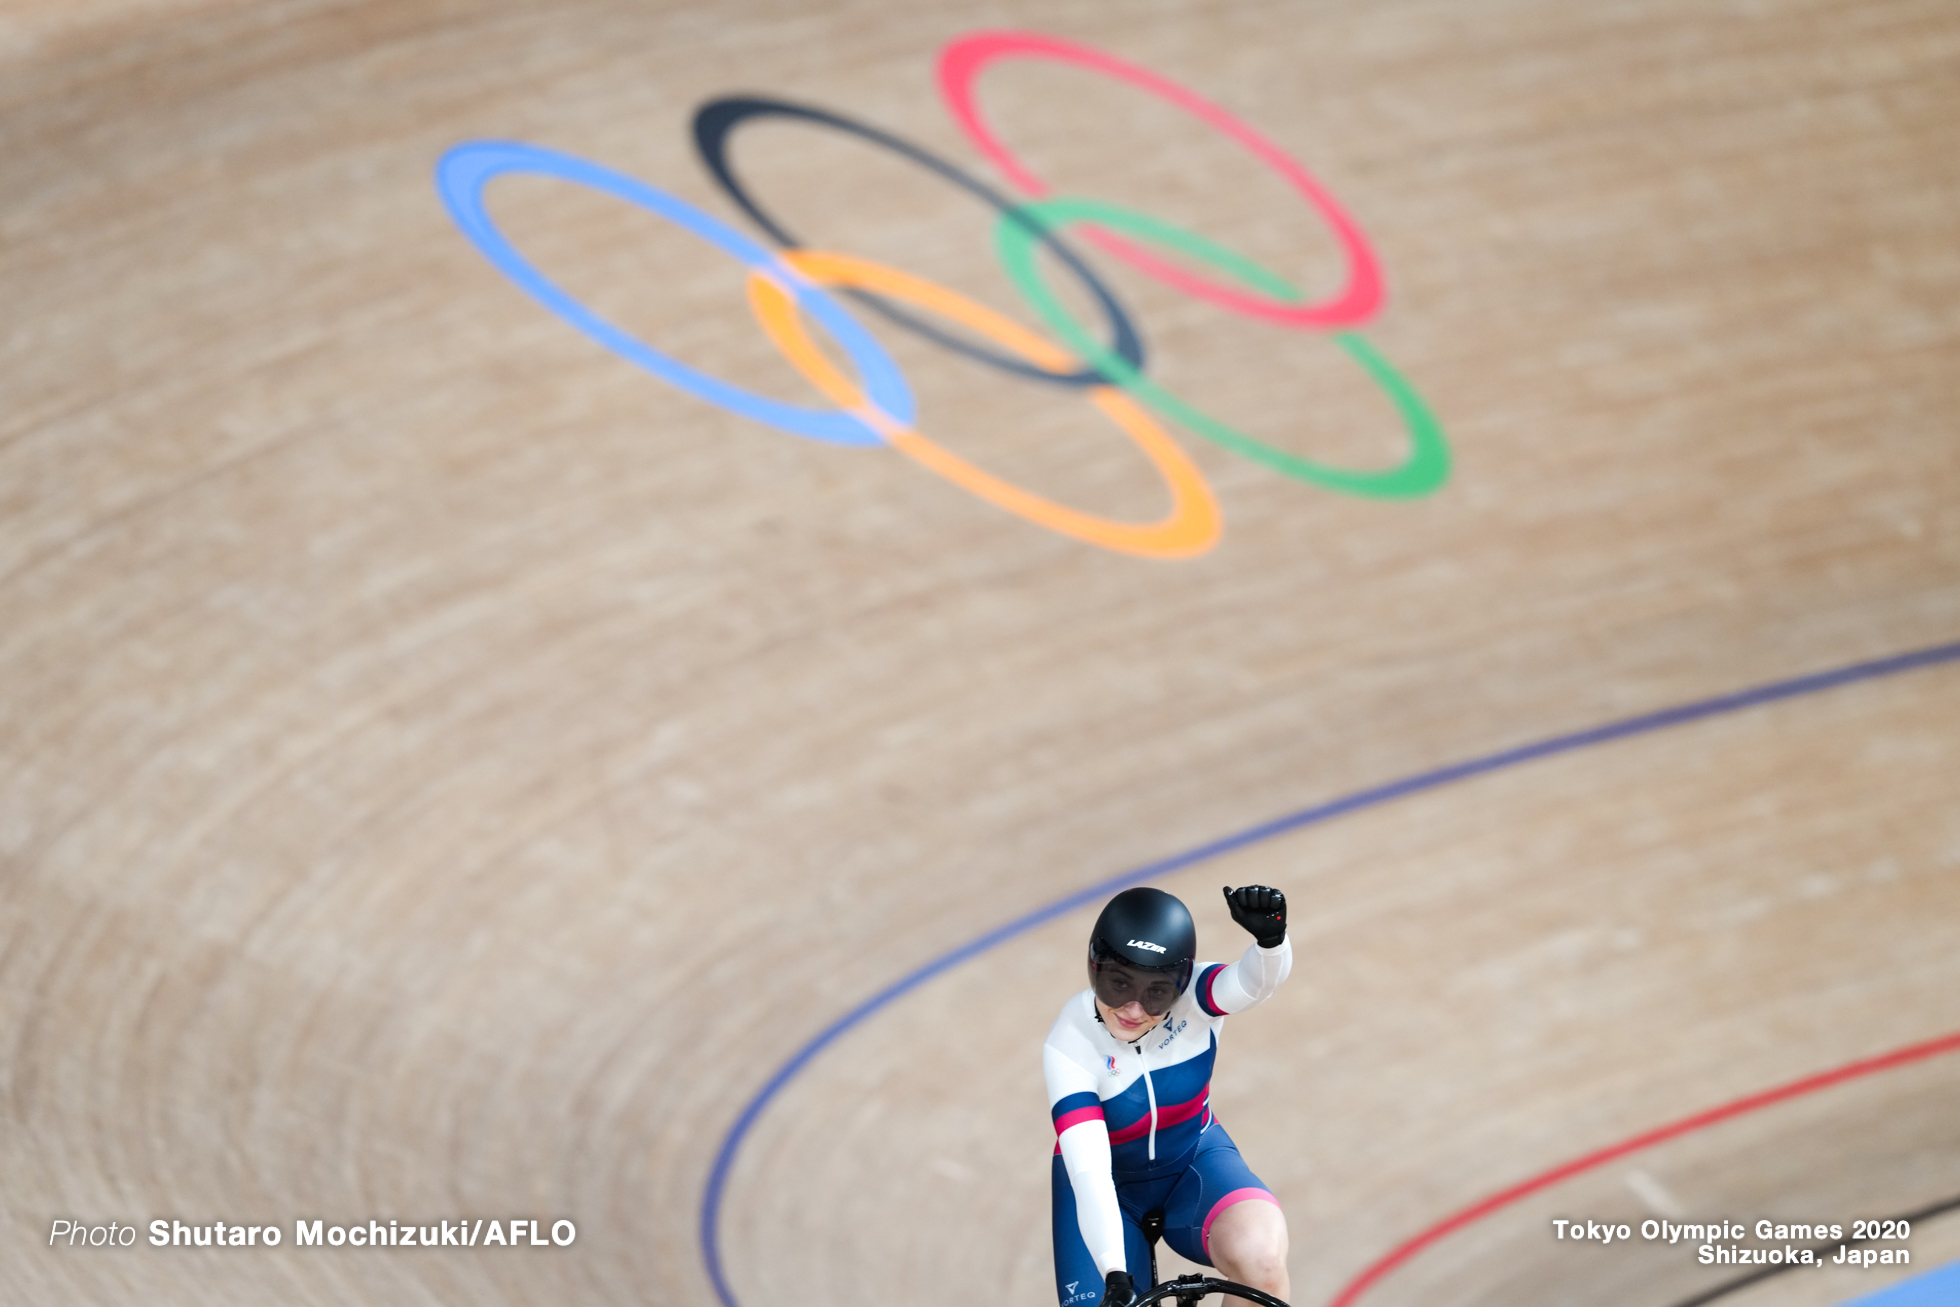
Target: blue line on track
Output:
[
  {"x": 1939, "y": 1288},
  {"x": 731, "y": 1143}
]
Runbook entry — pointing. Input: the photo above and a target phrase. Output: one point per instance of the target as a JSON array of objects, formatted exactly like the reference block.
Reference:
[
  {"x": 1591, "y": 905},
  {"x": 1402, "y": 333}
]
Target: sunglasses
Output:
[{"x": 1120, "y": 985}]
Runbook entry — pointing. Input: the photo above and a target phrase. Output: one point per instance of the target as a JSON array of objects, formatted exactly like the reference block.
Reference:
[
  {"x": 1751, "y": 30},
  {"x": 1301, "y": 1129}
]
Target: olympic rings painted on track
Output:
[
  {"x": 466, "y": 169},
  {"x": 1428, "y": 463},
  {"x": 1191, "y": 527},
  {"x": 877, "y": 408},
  {"x": 962, "y": 61},
  {"x": 715, "y": 121}
]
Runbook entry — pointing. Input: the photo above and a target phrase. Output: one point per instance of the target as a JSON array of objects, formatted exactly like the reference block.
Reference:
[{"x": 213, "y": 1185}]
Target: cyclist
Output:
[{"x": 1128, "y": 1065}]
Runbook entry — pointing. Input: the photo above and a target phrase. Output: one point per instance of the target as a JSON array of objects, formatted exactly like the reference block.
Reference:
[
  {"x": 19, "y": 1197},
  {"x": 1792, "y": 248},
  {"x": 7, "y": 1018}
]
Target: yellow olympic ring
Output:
[{"x": 1191, "y": 527}]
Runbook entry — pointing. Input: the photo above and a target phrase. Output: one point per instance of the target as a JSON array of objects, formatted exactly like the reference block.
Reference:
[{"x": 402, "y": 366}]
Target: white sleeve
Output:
[
  {"x": 1085, "y": 1156},
  {"x": 1250, "y": 981}
]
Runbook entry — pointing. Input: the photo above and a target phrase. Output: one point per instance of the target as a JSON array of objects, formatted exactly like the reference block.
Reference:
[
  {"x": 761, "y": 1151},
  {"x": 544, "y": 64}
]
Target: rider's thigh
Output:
[
  {"x": 1248, "y": 1242},
  {"x": 1216, "y": 1182}
]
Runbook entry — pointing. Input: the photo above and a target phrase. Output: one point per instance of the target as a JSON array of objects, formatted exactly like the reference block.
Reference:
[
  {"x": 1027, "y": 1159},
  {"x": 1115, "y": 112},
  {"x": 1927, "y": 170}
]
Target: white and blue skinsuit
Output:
[{"x": 1135, "y": 1132}]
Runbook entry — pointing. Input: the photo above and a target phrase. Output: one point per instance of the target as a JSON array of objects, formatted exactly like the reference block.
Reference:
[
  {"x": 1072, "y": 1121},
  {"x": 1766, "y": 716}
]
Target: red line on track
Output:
[{"x": 1673, "y": 1130}]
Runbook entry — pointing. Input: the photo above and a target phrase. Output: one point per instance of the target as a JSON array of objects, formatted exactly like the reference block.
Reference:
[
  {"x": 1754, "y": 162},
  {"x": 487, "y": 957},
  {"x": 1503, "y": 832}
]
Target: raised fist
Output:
[{"x": 1261, "y": 909}]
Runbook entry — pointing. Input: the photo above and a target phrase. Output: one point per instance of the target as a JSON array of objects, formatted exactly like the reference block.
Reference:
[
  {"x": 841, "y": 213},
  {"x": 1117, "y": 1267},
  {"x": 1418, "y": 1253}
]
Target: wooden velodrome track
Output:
[{"x": 446, "y": 771}]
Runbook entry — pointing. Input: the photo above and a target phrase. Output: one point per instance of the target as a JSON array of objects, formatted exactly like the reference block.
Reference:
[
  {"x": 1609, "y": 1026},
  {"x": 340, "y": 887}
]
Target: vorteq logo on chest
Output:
[{"x": 1144, "y": 943}]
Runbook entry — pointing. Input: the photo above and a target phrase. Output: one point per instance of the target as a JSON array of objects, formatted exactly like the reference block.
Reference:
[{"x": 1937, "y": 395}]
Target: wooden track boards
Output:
[{"x": 443, "y": 770}]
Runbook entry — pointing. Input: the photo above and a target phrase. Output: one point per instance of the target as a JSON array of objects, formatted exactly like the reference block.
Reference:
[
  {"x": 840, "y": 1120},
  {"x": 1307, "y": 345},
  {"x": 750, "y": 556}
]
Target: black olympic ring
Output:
[{"x": 715, "y": 120}]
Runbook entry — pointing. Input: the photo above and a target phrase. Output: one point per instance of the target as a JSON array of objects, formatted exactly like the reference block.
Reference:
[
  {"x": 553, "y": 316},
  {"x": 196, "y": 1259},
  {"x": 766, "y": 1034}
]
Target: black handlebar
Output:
[{"x": 1188, "y": 1289}]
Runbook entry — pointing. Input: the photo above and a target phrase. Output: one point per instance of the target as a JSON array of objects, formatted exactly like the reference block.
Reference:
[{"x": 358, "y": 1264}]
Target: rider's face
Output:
[{"x": 1128, "y": 1023}]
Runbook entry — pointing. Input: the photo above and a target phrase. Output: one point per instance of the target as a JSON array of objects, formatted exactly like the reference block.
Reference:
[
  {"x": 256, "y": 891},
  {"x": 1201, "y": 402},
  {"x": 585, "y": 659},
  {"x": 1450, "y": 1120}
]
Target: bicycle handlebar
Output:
[{"x": 1188, "y": 1289}]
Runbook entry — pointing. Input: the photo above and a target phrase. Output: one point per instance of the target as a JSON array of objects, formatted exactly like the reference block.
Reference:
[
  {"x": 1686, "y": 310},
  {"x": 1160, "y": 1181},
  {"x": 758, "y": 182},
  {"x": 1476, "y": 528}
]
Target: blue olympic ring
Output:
[{"x": 465, "y": 170}]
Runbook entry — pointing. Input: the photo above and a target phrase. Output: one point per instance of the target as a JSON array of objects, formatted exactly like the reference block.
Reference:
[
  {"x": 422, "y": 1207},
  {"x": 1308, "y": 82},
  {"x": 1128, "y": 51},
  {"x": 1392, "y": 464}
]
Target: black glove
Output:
[
  {"x": 1118, "y": 1289},
  {"x": 1261, "y": 909}
]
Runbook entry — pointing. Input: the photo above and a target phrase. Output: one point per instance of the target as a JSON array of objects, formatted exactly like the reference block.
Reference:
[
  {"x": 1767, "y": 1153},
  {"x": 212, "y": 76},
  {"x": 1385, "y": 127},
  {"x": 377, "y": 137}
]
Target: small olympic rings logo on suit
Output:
[{"x": 878, "y": 407}]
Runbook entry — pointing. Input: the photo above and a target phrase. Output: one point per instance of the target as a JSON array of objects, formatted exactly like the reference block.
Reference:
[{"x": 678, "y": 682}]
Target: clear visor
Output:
[{"x": 1119, "y": 984}]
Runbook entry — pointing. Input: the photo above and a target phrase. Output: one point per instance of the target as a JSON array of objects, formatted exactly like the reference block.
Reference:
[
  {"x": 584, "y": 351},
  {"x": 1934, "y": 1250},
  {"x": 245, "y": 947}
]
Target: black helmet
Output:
[{"x": 1146, "y": 928}]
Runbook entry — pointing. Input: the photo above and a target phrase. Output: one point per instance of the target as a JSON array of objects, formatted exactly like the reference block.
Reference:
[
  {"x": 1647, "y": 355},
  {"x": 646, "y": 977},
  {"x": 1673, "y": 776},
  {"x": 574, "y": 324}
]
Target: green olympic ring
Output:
[{"x": 1428, "y": 464}]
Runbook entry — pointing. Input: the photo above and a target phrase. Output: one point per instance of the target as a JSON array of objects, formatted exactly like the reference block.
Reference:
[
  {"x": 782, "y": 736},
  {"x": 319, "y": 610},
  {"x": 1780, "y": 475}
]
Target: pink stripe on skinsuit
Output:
[{"x": 1236, "y": 1196}]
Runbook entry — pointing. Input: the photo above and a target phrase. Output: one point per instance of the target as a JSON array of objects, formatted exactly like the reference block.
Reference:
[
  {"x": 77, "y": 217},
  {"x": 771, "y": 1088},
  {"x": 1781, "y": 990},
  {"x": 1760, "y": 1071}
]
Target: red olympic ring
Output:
[{"x": 961, "y": 61}]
